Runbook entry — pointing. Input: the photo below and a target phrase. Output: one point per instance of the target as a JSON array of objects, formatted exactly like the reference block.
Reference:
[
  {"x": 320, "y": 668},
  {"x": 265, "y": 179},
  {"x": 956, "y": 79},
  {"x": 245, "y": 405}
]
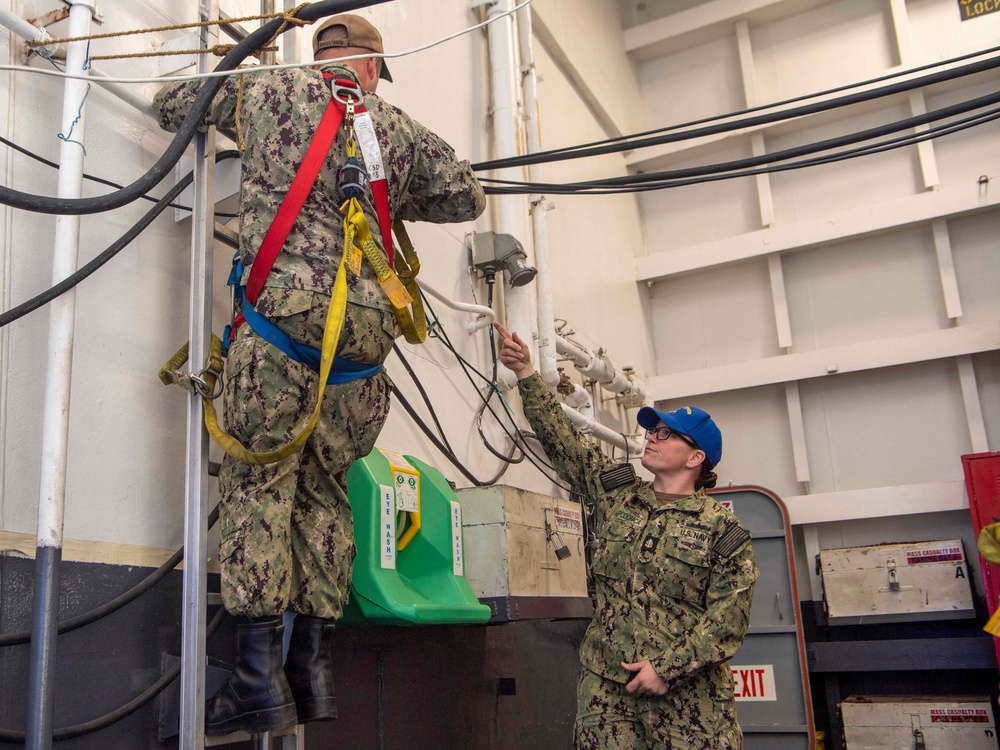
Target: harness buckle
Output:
[{"x": 346, "y": 92}]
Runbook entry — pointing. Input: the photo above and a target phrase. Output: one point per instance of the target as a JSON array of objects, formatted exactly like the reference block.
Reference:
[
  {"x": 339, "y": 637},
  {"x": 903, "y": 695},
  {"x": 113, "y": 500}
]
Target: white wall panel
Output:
[
  {"x": 830, "y": 188},
  {"x": 987, "y": 369},
  {"x": 823, "y": 47},
  {"x": 939, "y": 33},
  {"x": 599, "y": 62},
  {"x": 902, "y": 425},
  {"x": 694, "y": 83},
  {"x": 975, "y": 245},
  {"x": 873, "y": 288},
  {"x": 965, "y": 156},
  {"x": 693, "y": 214},
  {"x": 715, "y": 318}
]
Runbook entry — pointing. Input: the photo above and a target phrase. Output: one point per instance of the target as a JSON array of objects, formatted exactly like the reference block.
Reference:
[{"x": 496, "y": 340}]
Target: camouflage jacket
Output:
[
  {"x": 674, "y": 582},
  {"x": 278, "y": 115}
]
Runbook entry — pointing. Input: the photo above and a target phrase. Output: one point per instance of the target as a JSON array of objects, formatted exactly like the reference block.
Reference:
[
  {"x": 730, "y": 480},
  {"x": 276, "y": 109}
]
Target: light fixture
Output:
[{"x": 492, "y": 252}]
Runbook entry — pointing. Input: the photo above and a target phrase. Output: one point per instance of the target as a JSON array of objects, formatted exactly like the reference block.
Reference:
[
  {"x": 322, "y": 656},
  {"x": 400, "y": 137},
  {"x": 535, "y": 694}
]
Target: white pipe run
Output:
[
  {"x": 547, "y": 366},
  {"x": 27, "y": 31},
  {"x": 587, "y": 424},
  {"x": 486, "y": 314},
  {"x": 601, "y": 368},
  {"x": 510, "y": 209},
  {"x": 32, "y": 33},
  {"x": 55, "y": 419}
]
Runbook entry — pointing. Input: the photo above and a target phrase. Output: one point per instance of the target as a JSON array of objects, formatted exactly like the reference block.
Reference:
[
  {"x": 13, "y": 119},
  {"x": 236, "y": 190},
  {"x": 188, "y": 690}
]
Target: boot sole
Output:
[
  {"x": 256, "y": 722},
  {"x": 316, "y": 709}
]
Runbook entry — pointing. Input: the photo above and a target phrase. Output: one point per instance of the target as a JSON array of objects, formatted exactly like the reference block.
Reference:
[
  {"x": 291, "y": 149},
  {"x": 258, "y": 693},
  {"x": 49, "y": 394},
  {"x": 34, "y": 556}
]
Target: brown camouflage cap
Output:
[{"x": 359, "y": 33}]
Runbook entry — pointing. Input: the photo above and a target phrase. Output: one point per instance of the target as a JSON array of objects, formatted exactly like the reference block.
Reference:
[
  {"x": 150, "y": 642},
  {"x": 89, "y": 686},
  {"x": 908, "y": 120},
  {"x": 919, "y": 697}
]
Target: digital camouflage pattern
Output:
[
  {"x": 287, "y": 529},
  {"x": 674, "y": 586},
  {"x": 287, "y": 532},
  {"x": 278, "y": 116},
  {"x": 608, "y": 718}
]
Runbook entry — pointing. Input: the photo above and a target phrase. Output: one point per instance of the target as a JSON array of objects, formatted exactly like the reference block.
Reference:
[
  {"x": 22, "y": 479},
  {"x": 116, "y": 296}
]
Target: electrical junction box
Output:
[
  {"x": 896, "y": 583},
  {"x": 918, "y": 723},
  {"x": 524, "y": 553}
]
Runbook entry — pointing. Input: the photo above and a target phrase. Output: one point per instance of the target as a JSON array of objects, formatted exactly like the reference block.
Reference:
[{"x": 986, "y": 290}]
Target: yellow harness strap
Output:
[
  {"x": 408, "y": 266},
  {"x": 331, "y": 337}
]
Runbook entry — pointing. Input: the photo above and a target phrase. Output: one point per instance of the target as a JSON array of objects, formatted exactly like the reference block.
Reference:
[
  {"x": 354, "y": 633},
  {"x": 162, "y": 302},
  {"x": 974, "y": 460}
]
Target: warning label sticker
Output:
[
  {"x": 568, "y": 519},
  {"x": 942, "y": 553},
  {"x": 959, "y": 716}
]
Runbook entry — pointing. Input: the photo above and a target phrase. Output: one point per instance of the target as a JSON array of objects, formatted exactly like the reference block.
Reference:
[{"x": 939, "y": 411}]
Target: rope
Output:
[
  {"x": 240, "y": 143},
  {"x": 289, "y": 18},
  {"x": 287, "y": 15},
  {"x": 220, "y": 50}
]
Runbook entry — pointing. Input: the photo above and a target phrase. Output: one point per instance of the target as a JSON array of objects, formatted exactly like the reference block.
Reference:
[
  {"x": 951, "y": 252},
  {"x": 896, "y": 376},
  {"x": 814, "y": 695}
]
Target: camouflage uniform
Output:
[
  {"x": 674, "y": 586},
  {"x": 287, "y": 529}
]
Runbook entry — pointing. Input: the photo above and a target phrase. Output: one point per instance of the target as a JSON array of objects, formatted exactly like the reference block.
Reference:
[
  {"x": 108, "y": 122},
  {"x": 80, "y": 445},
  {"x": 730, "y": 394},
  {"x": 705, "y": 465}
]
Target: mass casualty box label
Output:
[
  {"x": 936, "y": 554},
  {"x": 387, "y": 526},
  {"x": 458, "y": 564},
  {"x": 959, "y": 716},
  {"x": 754, "y": 683},
  {"x": 568, "y": 519}
]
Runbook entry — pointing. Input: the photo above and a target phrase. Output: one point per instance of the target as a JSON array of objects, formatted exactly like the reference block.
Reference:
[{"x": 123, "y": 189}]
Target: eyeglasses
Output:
[{"x": 664, "y": 433}]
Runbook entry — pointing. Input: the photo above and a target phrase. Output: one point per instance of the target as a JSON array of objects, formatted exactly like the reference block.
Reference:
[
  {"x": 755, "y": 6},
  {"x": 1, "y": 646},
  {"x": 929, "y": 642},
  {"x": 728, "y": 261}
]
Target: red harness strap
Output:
[{"x": 302, "y": 184}]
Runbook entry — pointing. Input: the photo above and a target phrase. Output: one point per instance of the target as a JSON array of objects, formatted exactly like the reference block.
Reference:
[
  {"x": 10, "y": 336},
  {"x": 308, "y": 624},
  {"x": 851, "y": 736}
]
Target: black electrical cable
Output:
[
  {"x": 537, "y": 461},
  {"x": 120, "y": 244},
  {"x": 437, "y": 443},
  {"x": 103, "y": 722},
  {"x": 778, "y": 156},
  {"x": 908, "y": 140},
  {"x": 795, "y": 112},
  {"x": 759, "y": 108},
  {"x": 490, "y": 281},
  {"x": 187, "y": 130},
  {"x": 85, "y": 618},
  {"x": 99, "y": 180},
  {"x": 423, "y": 394}
]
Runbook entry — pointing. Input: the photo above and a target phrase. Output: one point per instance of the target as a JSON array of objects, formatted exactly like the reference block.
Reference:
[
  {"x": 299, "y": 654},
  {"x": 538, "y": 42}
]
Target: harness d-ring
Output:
[{"x": 200, "y": 384}]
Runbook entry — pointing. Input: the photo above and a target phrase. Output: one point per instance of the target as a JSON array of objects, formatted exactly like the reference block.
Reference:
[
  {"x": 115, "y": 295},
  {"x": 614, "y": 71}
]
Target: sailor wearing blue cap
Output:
[{"x": 674, "y": 573}]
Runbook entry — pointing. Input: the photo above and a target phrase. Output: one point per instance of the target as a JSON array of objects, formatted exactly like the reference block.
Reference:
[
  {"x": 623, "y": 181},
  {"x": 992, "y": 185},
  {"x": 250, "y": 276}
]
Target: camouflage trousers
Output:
[
  {"x": 287, "y": 533},
  {"x": 609, "y": 718}
]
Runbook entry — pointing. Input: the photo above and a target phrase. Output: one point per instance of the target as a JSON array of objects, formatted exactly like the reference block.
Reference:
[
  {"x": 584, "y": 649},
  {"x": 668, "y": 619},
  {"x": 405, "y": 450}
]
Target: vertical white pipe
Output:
[
  {"x": 55, "y": 420},
  {"x": 510, "y": 209},
  {"x": 195, "y": 582},
  {"x": 539, "y": 204},
  {"x": 58, "y": 378}
]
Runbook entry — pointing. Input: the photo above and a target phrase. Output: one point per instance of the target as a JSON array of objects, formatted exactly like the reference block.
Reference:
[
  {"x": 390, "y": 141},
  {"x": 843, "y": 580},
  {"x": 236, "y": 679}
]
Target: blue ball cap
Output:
[{"x": 690, "y": 421}]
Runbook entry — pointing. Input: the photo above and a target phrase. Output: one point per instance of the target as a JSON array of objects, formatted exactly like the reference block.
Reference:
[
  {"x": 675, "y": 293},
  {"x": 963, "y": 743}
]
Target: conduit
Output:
[
  {"x": 603, "y": 370},
  {"x": 32, "y": 33},
  {"x": 539, "y": 205},
  {"x": 510, "y": 209},
  {"x": 55, "y": 420},
  {"x": 486, "y": 314}
]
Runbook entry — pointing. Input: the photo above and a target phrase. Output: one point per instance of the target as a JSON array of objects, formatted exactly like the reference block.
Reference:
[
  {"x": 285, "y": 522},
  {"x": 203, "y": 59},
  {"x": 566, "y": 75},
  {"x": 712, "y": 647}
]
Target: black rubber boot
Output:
[
  {"x": 309, "y": 669},
  {"x": 256, "y": 697}
]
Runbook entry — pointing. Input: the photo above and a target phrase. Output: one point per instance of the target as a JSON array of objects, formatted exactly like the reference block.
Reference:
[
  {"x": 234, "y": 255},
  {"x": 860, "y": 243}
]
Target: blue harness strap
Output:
[{"x": 343, "y": 370}]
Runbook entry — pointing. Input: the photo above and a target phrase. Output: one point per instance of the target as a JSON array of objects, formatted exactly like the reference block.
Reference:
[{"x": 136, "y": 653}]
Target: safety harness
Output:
[{"x": 396, "y": 274}]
